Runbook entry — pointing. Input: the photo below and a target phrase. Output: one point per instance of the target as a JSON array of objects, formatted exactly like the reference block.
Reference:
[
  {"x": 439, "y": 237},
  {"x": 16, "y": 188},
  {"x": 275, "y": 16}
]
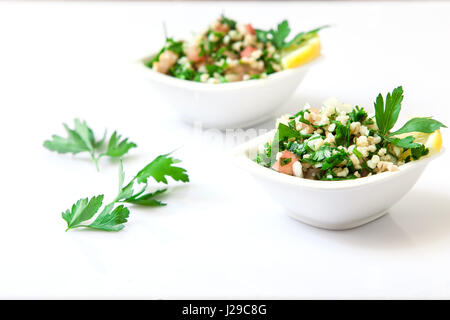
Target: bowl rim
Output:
[
  {"x": 200, "y": 86},
  {"x": 240, "y": 159}
]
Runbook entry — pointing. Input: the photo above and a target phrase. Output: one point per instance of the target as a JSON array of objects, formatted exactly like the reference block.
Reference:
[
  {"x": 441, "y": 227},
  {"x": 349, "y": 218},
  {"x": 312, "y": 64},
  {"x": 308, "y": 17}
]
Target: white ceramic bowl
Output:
[
  {"x": 226, "y": 105},
  {"x": 333, "y": 205}
]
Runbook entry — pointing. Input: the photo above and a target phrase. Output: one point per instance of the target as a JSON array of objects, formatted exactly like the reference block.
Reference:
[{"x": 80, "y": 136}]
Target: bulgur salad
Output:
[
  {"x": 228, "y": 51},
  {"x": 341, "y": 142}
]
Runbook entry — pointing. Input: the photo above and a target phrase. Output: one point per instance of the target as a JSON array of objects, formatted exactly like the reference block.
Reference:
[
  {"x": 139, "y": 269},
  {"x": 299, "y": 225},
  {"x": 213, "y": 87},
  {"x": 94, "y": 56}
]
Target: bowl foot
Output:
[{"x": 337, "y": 226}]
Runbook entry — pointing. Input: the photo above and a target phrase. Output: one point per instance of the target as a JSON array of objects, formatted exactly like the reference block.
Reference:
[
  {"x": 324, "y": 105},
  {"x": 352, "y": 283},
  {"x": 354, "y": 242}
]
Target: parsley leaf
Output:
[
  {"x": 302, "y": 37},
  {"x": 146, "y": 199},
  {"x": 285, "y": 161},
  {"x": 265, "y": 158},
  {"x": 183, "y": 71},
  {"x": 79, "y": 139},
  {"x": 342, "y": 134},
  {"x": 298, "y": 148},
  {"x": 425, "y": 124},
  {"x": 111, "y": 220},
  {"x": 160, "y": 168},
  {"x": 283, "y": 133},
  {"x": 229, "y": 22},
  {"x": 280, "y": 34},
  {"x": 419, "y": 152},
  {"x": 407, "y": 142},
  {"x": 357, "y": 153},
  {"x": 118, "y": 147},
  {"x": 322, "y": 153},
  {"x": 278, "y": 37},
  {"x": 334, "y": 160},
  {"x": 107, "y": 220},
  {"x": 212, "y": 68},
  {"x": 262, "y": 35},
  {"x": 386, "y": 115},
  {"x": 82, "y": 139},
  {"x": 357, "y": 114},
  {"x": 82, "y": 210}
]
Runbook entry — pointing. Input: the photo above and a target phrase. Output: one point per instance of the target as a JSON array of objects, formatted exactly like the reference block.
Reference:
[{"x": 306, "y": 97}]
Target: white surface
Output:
[
  {"x": 220, "y": 236},
  {"x": 346, "y": 204},
  {"x": 231, "y": 105}
]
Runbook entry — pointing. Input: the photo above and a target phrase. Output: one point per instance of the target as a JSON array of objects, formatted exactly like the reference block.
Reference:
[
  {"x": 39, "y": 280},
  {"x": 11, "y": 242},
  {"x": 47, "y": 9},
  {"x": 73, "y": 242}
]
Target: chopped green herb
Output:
[{"x": 285, "y": 161}]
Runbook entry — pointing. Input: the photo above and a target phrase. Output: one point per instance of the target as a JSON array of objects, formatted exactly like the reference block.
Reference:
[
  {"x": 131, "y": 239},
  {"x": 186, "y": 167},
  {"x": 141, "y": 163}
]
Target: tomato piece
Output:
[
  {"x": 247, "y": 52},
  {"x": 285, "y": 168},
  {"x": 250, "y": 29}
]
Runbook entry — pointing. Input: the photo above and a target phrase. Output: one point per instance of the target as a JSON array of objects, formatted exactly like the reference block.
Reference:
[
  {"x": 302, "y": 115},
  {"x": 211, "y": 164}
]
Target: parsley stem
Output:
[{"x": 95, "y": 161}]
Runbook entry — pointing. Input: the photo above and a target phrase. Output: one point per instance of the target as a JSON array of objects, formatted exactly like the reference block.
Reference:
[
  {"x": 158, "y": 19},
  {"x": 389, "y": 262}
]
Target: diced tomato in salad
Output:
[
  {"x": 285, "y": 168},
  {"x": 247, "y": 52},
  {"x": 250, "y": 29}
]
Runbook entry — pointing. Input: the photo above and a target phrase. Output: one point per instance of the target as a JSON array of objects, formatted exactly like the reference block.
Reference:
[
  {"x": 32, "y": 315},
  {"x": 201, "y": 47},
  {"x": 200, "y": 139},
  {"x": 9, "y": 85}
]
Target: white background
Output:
[{"x": 220, "y": 236}]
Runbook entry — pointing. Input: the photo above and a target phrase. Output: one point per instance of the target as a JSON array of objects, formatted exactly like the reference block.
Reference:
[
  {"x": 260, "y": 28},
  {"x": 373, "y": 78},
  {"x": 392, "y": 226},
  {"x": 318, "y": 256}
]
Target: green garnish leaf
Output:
[
  {"x": 181, "y": 71},
  {"x": 147, "y": 199},
  {"x": 387, "y": 115},
  {"x": 342, "y": 135},
  {"x": 262, "y": 35},
  {"x": 229, "y": 22},
  {"x": 280, "y": 34},
  {"x": 82, "y": 139},
  {"x": 265, "y": 158},
  {"x": 112, "y": 219},
  {"x": 160, "y": 168},
  {"x": 81, "y": 211},
  {"x": 334, "y": 160},
  {"x": 212, "y": 68},
  {"x": 78, "y": 140},
  {"x": 419, "y": 152},
  {"x": 285, "y": 161},
  {"x": 277, "y": 37},
  {"x": 407, "y": 142},
  {"x": 298, "y": 148},
  {"x": 322, "y": 153},
  {"x": 357, "y": 153},
  {"x": 109, "y": 219},
  {"x": 175, "y": 46},
  {"x": 426, "y": 125},
  {"x": 302, "y": 37},
  {"x": 117, "y": 147},
  {"x": 283, "y": 133},
  {"x": 358, "y": 115}
]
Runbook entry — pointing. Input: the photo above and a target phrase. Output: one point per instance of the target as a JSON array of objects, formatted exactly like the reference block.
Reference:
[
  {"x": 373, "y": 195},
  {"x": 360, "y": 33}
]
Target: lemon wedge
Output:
[
  {"x": 432, "y": 141},
  {"x": 302, "y": 54}
]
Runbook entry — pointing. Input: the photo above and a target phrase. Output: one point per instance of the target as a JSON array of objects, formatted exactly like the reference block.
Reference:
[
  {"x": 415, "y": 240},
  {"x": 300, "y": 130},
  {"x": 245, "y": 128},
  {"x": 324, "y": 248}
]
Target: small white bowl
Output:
[
  {"x": 335, "y": 205},
  {"x": 226, "y": 105}
]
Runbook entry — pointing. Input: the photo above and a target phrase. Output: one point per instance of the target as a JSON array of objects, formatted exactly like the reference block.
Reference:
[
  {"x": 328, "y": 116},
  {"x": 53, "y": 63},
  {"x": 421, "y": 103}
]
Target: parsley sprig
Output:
[
  {"x": 160, "y": 168},
  {"x": 386, "y": 116},
  {"x": 82, "y": 139},
  {"x": 279, "y": 35},
  {"x": 113, "y": 216}
]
